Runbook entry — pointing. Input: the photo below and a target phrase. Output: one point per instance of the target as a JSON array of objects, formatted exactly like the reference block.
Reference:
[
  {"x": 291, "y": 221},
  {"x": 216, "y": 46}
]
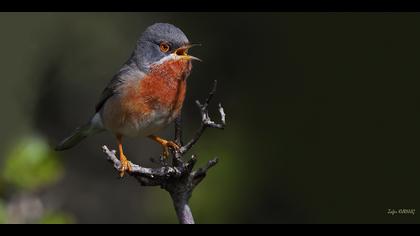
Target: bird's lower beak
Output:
[{"x": 182, "y": 52}]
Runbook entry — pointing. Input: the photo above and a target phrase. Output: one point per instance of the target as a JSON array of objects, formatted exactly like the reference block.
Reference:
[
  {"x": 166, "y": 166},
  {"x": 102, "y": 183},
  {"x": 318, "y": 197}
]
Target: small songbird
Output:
[{"x": 146, "y": 94}]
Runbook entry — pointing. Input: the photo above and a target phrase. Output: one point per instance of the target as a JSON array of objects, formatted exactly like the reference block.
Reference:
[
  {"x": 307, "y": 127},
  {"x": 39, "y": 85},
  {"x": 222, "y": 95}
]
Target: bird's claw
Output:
[
  {"x": 169, "y": 144},
  {"x": 125, "y": 165}
]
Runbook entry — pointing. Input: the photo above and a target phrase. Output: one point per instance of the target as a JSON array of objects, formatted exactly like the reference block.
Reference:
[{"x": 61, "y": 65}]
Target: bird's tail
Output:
[{"x": 77, "y": 136}]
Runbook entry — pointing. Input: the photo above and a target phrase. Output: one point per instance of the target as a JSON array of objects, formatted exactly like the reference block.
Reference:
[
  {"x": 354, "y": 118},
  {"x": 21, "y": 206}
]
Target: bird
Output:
[{"x": 145, "y": 95}]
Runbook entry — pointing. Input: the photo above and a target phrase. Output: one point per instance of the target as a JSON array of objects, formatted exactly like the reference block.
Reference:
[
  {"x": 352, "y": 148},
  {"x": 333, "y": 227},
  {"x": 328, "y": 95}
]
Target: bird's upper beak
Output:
[{"x": 182, "y": 52}]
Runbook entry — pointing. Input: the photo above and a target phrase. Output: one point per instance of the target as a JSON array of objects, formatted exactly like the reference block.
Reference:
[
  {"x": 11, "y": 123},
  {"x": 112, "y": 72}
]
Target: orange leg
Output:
[
  {"x": 165, "y": 144},
  {"x": 125, "y": 163}
]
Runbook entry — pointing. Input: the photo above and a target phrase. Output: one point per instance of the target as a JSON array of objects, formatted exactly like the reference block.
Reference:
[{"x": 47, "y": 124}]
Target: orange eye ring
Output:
[{"x": 164, "y": 47}]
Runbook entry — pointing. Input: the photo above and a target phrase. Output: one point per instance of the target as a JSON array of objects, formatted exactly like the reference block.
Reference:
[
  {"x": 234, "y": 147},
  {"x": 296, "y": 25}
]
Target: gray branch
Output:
[
  {"x": 179, "y": 178},
  {"x": 206, "y": 122}
]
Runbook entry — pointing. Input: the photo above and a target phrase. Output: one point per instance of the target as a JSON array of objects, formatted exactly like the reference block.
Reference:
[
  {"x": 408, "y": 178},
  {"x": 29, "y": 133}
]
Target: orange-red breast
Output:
[{"x": 146, "y": 94}]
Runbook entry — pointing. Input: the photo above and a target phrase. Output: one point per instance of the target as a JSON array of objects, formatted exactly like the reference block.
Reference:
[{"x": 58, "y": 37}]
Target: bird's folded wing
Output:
[
  {"x": 110, "y": 90},
  {"x": 127, "y": 72}
]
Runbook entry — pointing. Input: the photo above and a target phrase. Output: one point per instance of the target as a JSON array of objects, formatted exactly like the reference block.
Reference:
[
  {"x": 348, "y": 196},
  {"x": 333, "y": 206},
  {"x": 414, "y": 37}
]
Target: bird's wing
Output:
[
  {"x": 127, "y": 72},
  {"x": 110, "y": 90}
]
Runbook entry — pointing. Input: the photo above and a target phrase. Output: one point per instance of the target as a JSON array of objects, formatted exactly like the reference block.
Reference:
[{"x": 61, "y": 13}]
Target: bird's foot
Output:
[
  {"x": 166, "y": 145},
  {"x": 125, "y": 165}
]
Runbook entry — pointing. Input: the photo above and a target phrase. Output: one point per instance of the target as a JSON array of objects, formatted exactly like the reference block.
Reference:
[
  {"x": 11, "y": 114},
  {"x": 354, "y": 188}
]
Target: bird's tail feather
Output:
[{"x": 77, "y": 136}]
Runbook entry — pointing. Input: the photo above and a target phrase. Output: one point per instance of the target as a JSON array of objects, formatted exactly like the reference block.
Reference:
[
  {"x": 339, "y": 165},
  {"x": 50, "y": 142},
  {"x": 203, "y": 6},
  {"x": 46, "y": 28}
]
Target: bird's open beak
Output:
[{"x": 183, "y": 52}]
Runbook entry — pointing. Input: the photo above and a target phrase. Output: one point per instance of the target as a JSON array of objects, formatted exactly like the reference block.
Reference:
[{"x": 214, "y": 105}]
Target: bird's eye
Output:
[{"x": 164, "y": 47}]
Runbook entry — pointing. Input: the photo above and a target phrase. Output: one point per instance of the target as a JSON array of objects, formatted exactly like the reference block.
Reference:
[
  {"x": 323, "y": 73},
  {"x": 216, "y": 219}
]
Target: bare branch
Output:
[
  {"x": 146, "y": 176},
  {"x": 222, "y": 115},
  {"x": 205, "y": 120},
  {"x": 199, "y": 174},
  {"x": 178, "y": 130},
  {"x": 211, "y": 94}
]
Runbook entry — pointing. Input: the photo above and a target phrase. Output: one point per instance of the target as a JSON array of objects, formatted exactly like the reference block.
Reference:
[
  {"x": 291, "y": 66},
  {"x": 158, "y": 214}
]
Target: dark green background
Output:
[{"x": 323, "y": 113}]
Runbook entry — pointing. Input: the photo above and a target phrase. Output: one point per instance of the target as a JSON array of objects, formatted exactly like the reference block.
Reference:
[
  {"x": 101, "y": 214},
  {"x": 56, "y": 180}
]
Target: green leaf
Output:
[
  {"x": 2, "y": 212},
  {"x": 57, "y": 218},
  {"x": 31, "y": 164}
]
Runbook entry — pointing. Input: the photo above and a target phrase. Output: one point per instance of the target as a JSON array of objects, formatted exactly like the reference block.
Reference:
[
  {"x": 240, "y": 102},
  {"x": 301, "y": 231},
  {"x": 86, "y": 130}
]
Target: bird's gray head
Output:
[{"x": 161, "y": 42}]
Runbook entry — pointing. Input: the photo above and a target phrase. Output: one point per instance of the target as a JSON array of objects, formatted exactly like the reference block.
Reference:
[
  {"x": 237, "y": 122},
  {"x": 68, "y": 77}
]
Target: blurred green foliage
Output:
[
  {"x": 31, "y": 164},
  {"x": 57, "y": 218},
  {"x": 2, "y": 212}
]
